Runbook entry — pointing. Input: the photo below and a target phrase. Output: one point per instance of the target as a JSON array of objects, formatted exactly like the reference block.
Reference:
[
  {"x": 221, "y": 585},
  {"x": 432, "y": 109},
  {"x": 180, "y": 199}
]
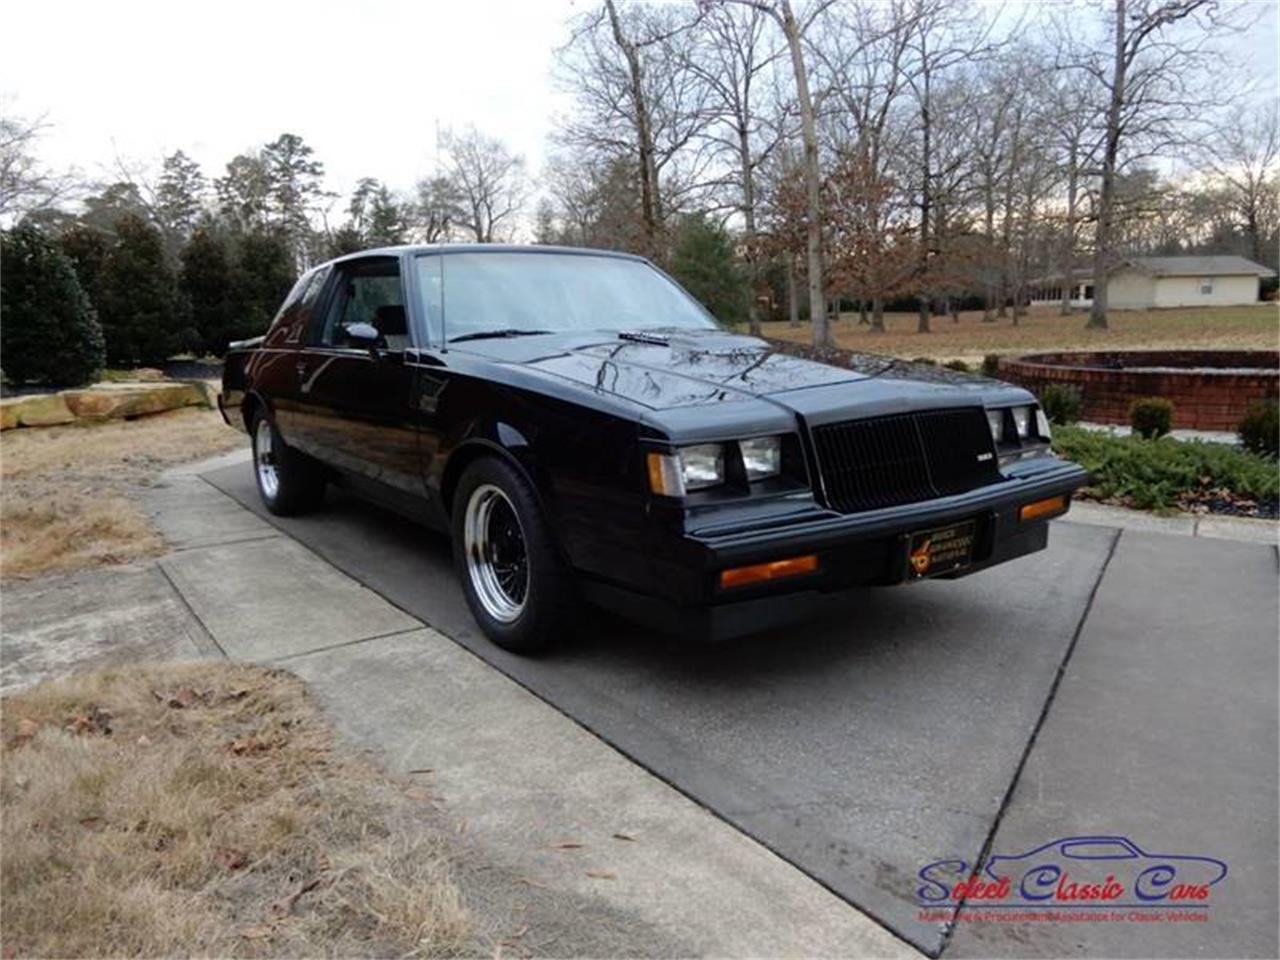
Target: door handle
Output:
[{"x": 301, "y": 367}]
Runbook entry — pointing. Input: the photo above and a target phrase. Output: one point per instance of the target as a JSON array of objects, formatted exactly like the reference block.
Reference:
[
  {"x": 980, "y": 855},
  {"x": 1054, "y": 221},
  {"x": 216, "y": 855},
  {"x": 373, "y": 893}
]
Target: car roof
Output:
[{"x": 534, "y": 248}]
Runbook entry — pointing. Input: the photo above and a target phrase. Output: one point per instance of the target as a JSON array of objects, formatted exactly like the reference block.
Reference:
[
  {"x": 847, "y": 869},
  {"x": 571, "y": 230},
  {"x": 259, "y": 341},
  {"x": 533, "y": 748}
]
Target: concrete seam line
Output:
[
  {"x": 350, "y": 643},
  {"x": 319, "y": 555},
  {"x": 273, "y": 535},
  {"x": 200, "y": 624},
  {"x": 1035, "y": 733}
]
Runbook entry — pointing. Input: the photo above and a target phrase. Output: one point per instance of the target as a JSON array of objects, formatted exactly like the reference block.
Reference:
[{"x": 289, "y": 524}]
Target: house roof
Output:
[{"x": 1214, "y": 266}]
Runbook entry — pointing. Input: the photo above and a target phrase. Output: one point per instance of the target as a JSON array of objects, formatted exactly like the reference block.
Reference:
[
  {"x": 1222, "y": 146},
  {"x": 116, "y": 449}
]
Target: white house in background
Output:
[{"x": 1138, "y": 283}]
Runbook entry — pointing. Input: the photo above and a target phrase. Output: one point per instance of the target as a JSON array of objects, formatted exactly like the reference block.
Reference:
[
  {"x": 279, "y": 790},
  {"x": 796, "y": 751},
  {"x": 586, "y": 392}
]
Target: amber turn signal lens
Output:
[
  {"x": 1039, "y": 509},
  {"x": 760, "y": 572}
]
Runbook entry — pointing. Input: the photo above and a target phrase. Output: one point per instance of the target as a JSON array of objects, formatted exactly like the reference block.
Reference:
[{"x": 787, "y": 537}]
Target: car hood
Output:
[{"x": 695, "y": 368}]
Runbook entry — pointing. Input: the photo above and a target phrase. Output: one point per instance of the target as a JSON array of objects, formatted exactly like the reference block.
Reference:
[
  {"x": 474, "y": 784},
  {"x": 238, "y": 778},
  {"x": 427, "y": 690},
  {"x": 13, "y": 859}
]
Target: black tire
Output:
[
  {"x": 547, "y": 604},
  {"x": 299, "y": 480}
]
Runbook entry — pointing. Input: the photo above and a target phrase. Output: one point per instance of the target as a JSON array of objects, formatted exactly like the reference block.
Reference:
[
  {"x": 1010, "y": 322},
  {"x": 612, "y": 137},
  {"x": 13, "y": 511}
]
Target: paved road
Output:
[{"x": 891, "y": 734}]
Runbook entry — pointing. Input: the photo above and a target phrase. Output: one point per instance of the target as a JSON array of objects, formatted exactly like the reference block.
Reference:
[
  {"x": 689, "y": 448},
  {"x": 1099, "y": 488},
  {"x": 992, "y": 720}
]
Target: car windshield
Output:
[{"x": 508, "y": 294}]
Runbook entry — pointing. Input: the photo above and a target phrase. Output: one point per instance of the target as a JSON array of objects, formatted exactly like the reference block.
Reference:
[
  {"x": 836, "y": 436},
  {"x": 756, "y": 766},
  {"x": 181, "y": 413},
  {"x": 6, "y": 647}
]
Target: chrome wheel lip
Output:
[
  {"x": 264, "y": 460},
  {"x": 494, "y": 598}
]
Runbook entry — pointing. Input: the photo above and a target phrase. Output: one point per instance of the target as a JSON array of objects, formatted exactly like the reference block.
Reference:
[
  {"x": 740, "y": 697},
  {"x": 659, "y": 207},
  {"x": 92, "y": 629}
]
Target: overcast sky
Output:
[{"x": 365, "y": 83}]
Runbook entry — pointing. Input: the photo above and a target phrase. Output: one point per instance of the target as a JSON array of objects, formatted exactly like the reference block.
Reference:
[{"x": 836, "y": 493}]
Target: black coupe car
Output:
[{"x": 584, "y": 429}]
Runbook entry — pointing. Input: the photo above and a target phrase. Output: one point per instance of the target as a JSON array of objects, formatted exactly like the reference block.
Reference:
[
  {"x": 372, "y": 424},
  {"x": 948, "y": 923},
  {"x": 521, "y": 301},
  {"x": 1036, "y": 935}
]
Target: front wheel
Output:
[
  {"x": 518, "y": 588},
  {"x": 288, "y": 482}
]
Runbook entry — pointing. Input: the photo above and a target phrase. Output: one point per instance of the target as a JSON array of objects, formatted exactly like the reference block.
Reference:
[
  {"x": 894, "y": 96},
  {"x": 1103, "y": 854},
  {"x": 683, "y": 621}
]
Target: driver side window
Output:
[{"x": 366, "y": 292}]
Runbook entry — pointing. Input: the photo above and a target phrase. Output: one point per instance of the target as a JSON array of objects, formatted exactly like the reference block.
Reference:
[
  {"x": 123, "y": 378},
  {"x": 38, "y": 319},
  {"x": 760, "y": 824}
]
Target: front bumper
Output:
[{"x": 853, "y": 550}]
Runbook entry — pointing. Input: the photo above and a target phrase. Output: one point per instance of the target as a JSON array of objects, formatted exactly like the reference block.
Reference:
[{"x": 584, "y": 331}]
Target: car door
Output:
[{"x": 353, "y": 408}]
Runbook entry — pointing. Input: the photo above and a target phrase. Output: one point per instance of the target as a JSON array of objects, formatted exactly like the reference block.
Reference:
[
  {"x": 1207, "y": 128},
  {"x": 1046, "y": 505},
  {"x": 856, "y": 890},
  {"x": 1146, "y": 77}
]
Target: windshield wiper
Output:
[{"x": 497, "y": 334}]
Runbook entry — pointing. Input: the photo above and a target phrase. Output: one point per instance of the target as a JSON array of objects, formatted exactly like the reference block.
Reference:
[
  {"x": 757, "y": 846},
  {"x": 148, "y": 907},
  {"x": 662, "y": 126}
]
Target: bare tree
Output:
[
  {"x": 1245, "y": 160},
  {"x": 862, "y": 49},
  {"x": 1149, "y": 80},
  {"x": 437, "y": 209},
  {"x": 732, "y": 60},
  {"x": 25, "y": 185},
  {"x": 638, "y": 107},
  {"x": 944, "y": 35},
  {"x": 795, "y": 31},
  {"x": 489, "y": 179}
]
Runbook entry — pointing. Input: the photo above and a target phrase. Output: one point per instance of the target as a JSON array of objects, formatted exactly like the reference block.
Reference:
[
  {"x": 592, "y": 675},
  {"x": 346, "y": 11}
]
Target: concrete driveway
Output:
[{"x": 1120, "y": 684}]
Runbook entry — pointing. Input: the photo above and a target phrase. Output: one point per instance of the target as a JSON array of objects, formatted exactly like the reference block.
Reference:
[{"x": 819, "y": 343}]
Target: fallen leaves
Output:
[
  {"x": 232, "y": 859},
  {"x": 184, "y": 699},
  {"x": 93, "y": 720}
]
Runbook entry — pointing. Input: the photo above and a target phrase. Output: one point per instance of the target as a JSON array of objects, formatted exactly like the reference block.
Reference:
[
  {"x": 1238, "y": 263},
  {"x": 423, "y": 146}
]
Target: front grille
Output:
[{"x": 886, "y": 461}]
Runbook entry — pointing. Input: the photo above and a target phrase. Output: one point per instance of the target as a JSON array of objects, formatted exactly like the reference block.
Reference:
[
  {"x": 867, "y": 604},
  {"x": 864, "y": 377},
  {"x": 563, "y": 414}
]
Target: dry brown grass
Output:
[
  {"x": 228, "y": 825},
  {"x": 1246, "y": 327},
  {"x": 69, "y": 493}
]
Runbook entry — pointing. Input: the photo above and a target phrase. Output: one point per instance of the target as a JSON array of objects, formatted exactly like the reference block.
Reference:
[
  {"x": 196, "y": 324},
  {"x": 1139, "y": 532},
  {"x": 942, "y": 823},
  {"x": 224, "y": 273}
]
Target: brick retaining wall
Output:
[{"x": 1202, "y": 399}]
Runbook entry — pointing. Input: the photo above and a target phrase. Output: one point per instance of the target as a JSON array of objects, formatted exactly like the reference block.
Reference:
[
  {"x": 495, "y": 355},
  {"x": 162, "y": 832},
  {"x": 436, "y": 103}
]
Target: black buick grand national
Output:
[{"x": 583, "y": 429}]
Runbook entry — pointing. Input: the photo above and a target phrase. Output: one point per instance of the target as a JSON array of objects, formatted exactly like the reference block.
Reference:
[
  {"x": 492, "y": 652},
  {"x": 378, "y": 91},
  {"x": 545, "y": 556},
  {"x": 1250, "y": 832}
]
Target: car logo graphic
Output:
[
  {"x": 984, "y": 457},
  {"x": 920, "y": 558}
]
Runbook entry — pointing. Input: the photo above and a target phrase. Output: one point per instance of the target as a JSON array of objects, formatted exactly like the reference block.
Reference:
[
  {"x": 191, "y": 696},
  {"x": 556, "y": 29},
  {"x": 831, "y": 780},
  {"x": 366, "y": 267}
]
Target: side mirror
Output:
[{"x": 362, "y": 334}]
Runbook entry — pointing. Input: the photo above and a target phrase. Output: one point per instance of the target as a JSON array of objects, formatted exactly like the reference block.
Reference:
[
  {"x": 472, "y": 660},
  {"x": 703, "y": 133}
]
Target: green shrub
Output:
[
  {"x": 48, "y": 329},
  {"x": 958, "y": 365},
  {"x": 1158, "y": 474},
  {"x": 1260, "y": 428},
  {"x": 927, "y": 361},
  {"x": 991, "y": 365},
  {"x": 1061, "y": 403},
  {"x": 1151, "y": 417}
]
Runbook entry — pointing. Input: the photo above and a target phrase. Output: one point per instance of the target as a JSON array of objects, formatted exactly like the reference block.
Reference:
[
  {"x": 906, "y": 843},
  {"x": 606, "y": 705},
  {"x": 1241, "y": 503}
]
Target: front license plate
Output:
[{"x": 943, "y": 550}]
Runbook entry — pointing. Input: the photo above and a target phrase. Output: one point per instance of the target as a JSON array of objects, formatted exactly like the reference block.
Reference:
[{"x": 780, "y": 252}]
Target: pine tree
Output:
[
  {"x": 48, "y": 329},
  {"x": 206, "y": 282},
  {"x": 179, "y": 196},
  {"x": 138, "y": 299},
  {"x": 704, "y": 264},
  {"x": 263, "y": 275}
]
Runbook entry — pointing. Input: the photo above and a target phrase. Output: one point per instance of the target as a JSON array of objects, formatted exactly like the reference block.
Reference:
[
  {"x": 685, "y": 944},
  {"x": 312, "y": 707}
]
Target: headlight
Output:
[
  {"x": 692, "y": 468},
  {"x": 702, "y": 466},
  {"x": 995, "y": 420},
  {"x": 1042, "y": 424},
  {"x": 762, "y": 457},
  {"x": 1022, "y": 420}
]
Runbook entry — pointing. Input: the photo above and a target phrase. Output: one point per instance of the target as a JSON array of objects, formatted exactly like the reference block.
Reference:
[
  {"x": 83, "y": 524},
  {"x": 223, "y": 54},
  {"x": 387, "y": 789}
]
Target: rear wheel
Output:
[
  {"x": 289, "y": 482},
  {"x": 518, "y": 588}
]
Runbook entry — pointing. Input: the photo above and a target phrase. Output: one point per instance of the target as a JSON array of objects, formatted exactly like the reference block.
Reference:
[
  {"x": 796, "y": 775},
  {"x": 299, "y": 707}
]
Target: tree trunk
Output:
[
  {"x": 749, "y": 232},
  {"x": 1069, "y": 245},
  {"x": 1106, "y": 193},
  {"x": 877, "y": 315},
  {"x": 817, "y": 299},
  {"x": 650, "y": 214},
  {"x": 793, "y": 298},
  {"x": 926, "y": 200},
  {"x": 862, "y": 312}
]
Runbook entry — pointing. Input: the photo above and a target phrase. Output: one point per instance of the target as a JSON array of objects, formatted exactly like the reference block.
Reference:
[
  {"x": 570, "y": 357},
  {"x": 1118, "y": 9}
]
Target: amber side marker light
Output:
[
  {"x": 774, "y": 570},
  {"x": 1038, "y": 509}
]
